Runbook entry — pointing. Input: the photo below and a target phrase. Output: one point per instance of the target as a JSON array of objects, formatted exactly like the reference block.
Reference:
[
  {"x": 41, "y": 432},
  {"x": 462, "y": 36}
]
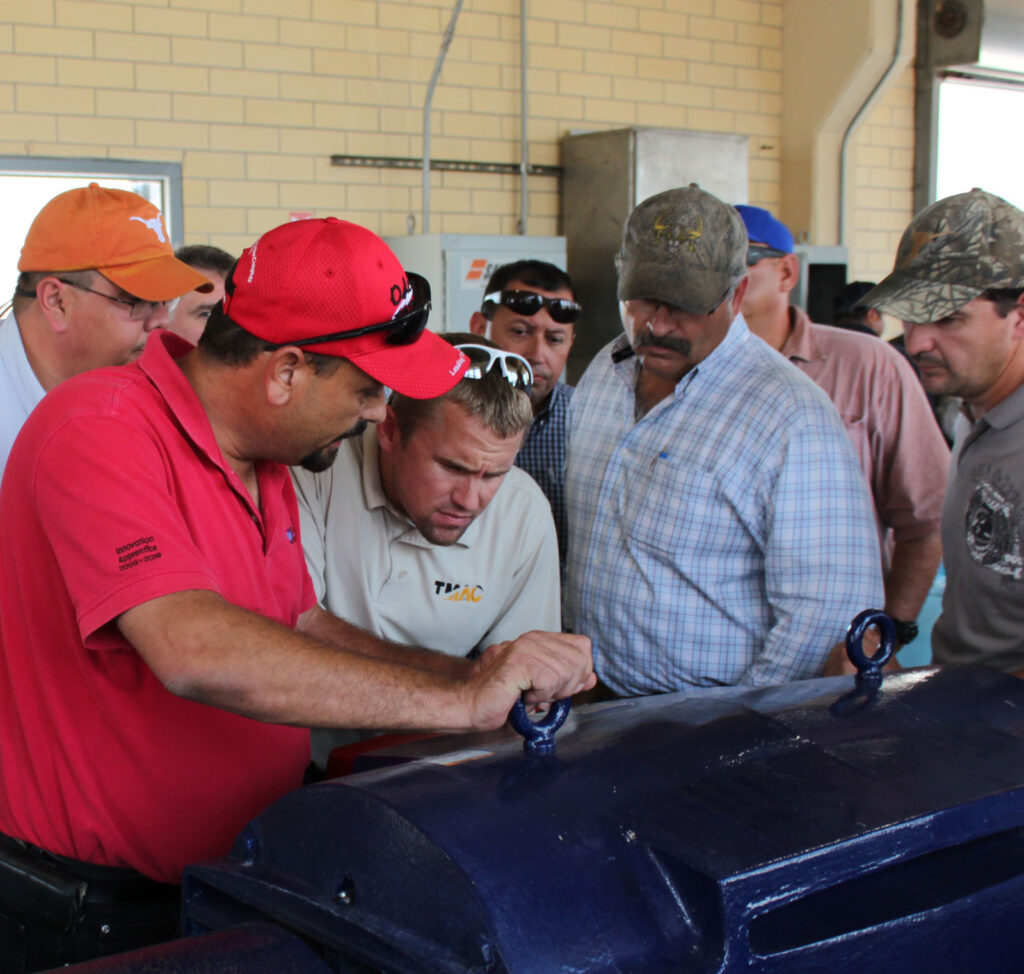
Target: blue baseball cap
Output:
[{"x": 762, "y": 227}]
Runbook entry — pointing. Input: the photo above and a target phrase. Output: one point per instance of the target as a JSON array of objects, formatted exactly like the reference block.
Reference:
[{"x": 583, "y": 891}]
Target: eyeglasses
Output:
[
  {"x": 403, "y": 330},
  {"x": 138, "y": 310},
  {"x": 528, "y": 303},
  {"x": 756, "y": 253},
  {"x": 514, "y": 368}
]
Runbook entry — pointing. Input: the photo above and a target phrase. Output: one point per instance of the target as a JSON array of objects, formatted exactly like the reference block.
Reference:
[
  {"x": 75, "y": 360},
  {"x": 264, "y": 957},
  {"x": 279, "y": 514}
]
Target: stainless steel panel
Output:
[{"x": 666, "y": 159}]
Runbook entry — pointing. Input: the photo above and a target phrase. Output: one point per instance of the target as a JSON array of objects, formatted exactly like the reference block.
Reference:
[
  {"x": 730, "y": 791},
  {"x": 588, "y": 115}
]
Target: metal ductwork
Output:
[
  {"x": 972, "y": 39},
  {"x": 981, "y": 36}
]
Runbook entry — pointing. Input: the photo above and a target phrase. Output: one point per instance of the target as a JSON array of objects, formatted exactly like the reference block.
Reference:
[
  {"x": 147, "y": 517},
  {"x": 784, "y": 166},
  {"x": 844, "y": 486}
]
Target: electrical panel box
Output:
[
  {"x": 823, "y": 272},
  {"x": 458, "y": 267}
]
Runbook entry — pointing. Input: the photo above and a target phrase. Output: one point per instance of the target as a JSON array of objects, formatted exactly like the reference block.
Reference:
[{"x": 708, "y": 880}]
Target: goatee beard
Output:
[{"x": 319, "y": 460}]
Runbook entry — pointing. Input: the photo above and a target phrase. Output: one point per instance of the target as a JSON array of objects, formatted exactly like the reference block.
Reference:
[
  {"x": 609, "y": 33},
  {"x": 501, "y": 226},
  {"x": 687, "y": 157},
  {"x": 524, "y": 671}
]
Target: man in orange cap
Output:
[
  {"x": 161, "y": 647},
  {"x": 96, "y": 273}
]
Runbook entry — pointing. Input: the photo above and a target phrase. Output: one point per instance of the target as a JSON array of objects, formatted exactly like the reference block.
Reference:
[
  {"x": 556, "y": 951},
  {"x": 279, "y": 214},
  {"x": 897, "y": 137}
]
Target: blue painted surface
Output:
[
  {"x": 539, "y": 735},
  {"x": 810, "y": 827},
  {"x": 869, "y": 668}
]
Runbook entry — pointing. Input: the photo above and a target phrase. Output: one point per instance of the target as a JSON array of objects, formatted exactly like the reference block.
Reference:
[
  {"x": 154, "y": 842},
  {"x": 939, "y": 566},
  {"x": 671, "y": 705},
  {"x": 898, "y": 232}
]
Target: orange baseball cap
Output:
[{"x": 115, "y": 232}]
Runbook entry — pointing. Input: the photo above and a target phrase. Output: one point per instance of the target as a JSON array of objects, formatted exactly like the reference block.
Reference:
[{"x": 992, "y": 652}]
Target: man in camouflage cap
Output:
[
  {"x": 720, "y": 530},
  {"x": 958, "y": 286}
]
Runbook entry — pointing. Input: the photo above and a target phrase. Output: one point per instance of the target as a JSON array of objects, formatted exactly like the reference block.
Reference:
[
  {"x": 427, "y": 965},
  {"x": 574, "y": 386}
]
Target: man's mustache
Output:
[{"x": 645, "y": 338}]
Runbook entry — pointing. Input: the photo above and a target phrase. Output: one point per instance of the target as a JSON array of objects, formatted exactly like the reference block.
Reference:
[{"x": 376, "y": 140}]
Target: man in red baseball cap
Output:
[
  {"x": 160, "y": 641},
  {"x": 96, "y": 273}
]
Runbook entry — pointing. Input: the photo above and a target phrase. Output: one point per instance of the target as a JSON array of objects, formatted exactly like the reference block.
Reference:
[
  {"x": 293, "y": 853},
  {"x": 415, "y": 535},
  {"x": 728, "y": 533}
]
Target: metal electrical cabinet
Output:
[
  {"x": 823, "y": 271},
  {"x": 606, "y": 174},
  {"x": 459, "y": 265}
]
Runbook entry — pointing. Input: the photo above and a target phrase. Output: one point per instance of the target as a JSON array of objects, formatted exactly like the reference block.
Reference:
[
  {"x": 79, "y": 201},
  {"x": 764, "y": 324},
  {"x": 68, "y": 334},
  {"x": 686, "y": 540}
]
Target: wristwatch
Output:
[{"x": 906, "y": 632}]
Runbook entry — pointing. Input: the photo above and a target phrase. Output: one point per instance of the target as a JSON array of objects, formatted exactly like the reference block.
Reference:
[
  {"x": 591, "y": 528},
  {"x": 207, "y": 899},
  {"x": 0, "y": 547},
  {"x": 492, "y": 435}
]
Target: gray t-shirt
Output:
[{"x": 982, "y": 617}]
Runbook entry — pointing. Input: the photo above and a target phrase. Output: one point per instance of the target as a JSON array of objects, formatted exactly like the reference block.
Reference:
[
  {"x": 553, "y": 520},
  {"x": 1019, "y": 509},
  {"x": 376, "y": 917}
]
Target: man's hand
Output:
[{"x": 545, "y": 666}]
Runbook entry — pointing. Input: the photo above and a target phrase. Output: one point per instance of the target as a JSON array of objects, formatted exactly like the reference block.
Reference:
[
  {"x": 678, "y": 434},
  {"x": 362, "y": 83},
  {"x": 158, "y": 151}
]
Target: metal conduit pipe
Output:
[
  {"x": 446, "y": 39},
  {"x": 524, "y": 159},
  {"x": 844, "y": 145}
]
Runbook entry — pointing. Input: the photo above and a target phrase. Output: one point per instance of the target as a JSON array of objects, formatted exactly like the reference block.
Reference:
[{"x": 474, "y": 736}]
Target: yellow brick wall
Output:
[
  {"x": 253, "y": 96},
  {"x": 880, "y": 169}
]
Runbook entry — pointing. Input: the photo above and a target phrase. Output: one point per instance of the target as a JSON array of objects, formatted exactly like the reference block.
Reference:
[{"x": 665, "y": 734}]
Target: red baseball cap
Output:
[
  {"x": 120, "y": 234},
  {"x": 309, "y": 282}
]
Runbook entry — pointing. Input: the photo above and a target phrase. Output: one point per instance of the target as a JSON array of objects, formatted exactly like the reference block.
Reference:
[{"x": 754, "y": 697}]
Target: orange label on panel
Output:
[{"x": 476, "y": 269}]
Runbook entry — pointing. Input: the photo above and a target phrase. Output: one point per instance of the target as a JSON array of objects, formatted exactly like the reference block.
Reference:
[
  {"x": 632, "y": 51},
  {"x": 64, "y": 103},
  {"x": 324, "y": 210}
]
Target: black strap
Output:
[
  {"x": 55, "y": 910},
  {"x": 32, "y": 888}
]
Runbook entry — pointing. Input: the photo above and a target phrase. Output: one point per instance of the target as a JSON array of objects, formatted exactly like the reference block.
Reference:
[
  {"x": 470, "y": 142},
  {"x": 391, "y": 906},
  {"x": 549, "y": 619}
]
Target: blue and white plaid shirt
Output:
[
  {"x": 727, "y": 537},
  {"x": 542, "y": 456}
]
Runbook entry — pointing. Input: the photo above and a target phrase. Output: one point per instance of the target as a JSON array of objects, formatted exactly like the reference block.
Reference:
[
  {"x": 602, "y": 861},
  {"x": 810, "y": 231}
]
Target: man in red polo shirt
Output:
[{"x": 160, "y": 642}]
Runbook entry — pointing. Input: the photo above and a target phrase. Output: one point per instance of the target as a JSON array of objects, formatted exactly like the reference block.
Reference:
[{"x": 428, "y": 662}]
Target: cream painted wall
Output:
[
  {"x": 835, "y": 54},
  {"x": 880, "y": 168},
  {"x": 824, "y": 48},
  {"x": 253, "y": 96}
]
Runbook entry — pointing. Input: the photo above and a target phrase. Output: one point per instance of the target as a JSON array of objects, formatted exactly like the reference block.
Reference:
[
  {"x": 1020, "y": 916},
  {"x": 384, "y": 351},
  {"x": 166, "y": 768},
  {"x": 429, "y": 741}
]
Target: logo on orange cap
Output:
[{"x": 156, "y": 224}]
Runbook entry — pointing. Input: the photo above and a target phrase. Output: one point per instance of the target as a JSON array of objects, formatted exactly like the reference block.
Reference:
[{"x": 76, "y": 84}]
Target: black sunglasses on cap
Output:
[
  {"x": 528, "y": 303},
  {"x": 514, "y": 368},
  {"x": 756, "y": 253},
  {"x": 402, "y": 330}
]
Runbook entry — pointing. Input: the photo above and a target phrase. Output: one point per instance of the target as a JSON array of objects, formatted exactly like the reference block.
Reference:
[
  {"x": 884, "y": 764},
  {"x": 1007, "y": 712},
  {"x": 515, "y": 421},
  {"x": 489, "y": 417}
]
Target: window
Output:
[
  {"x": 980, "y": 138},
  {"x": 28, "y": 183}
]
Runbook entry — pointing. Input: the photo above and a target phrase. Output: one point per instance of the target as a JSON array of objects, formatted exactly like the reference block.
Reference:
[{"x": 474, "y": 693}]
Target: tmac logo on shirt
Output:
[{"x": 458, "y": 592}]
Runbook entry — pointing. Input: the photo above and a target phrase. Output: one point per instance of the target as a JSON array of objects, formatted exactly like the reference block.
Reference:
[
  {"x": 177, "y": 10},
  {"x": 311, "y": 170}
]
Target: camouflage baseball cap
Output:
[
  {"x": 951, "y": 252},
  {"x": 683, "y": 247}
]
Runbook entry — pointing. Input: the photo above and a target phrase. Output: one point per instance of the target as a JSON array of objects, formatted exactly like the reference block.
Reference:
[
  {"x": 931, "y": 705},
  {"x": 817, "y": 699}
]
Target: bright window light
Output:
[{"x": 981, "y": 140}]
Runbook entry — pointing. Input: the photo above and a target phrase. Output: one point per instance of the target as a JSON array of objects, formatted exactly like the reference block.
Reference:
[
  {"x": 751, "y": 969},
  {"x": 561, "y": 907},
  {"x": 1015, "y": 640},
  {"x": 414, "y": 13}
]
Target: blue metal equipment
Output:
[
  {"x": 833, "y": 825},
  {"x": 802, "y": 828}
]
